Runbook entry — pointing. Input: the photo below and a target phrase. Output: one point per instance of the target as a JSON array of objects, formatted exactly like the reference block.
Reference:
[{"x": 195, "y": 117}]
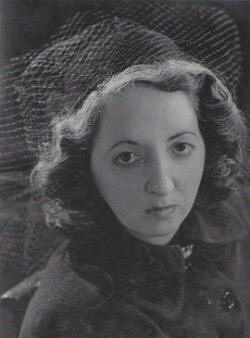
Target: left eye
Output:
[
  {"x": 182, "y": 149},
  {"x": 126, "y": 158}
]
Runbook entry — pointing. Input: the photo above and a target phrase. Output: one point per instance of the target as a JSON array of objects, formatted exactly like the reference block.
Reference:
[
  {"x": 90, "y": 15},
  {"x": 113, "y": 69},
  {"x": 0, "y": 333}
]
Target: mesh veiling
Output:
[
  {"x": 203, "y": 32},
  {"x": 56, "y": 78}
]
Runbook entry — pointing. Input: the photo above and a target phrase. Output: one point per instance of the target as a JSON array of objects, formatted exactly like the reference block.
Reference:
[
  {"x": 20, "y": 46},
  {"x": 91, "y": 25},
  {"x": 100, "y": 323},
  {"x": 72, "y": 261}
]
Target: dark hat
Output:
[{"x": 95, "y": 45}]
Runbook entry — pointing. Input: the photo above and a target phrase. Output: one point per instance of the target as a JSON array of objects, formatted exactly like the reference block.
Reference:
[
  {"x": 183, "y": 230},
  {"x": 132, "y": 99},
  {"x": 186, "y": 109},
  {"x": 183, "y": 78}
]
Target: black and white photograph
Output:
[{"x": 124, "y": 169}]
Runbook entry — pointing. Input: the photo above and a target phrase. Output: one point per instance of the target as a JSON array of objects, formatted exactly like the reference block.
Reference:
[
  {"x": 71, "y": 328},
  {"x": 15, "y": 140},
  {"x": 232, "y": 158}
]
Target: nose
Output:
[{"x": 161, "y": 181}]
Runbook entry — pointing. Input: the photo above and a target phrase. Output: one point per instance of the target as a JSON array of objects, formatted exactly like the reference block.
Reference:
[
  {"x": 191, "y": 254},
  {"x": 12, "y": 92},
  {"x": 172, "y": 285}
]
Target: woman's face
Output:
[{"x": 148, "y": 159}]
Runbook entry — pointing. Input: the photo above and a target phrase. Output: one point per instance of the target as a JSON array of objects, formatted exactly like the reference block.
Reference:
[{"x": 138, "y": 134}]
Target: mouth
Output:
[{"x": 161, "y": 212}]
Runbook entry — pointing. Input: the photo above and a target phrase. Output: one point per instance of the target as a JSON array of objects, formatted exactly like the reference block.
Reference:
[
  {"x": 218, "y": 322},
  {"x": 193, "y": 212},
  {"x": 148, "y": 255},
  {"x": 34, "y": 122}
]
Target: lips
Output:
[{"x": 161, "y": 211}]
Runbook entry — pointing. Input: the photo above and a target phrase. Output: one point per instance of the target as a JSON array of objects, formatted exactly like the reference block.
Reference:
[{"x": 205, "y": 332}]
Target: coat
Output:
[{"x": 195, "y": 286}]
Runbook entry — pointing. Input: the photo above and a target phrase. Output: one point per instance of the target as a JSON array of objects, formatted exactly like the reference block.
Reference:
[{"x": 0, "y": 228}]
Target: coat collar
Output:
[
  {"x": 151, "y": 276},
  {"x": 140, "y": 273},
  {"x": 145, "y": 272}
]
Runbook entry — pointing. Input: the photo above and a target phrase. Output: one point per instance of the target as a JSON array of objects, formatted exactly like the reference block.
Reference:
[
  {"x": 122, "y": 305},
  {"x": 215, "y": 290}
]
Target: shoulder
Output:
[
  {"x": 234, "y": 214},
  {"x": 228, "y": 222},
  {"x": 238, "y": 203},
  {"x": 64, "y": 297}
]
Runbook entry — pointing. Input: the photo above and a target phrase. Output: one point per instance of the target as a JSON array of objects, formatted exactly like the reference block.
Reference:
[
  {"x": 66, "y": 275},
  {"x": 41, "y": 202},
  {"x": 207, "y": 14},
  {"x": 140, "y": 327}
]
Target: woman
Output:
[{"x": 147, "y": 144}]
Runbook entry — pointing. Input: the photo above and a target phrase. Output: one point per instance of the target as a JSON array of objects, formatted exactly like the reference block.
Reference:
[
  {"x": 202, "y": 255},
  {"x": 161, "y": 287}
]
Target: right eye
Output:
[{"x": 126, "y": 158}]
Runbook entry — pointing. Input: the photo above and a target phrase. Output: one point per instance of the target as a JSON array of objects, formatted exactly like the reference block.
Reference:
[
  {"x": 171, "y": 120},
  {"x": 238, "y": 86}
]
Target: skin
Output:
[{"x": 148, "y": 159}]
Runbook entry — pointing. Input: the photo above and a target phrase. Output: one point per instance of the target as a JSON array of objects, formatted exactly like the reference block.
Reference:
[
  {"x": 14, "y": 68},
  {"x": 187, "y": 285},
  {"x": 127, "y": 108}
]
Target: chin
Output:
[
  {"x": 162, "y": 240},
  {"x": 155, "y": 240}
]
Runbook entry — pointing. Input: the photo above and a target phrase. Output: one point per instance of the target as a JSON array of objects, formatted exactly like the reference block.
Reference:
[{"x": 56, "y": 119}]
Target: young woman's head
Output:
[
  {"x": 151, "y": 144},
  {"x": 147, "y": 159}
]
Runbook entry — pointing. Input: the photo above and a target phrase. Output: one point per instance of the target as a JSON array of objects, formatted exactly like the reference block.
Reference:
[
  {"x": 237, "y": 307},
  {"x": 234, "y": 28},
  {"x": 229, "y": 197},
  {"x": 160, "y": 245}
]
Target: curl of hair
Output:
[{"x": 63, "y": 172}]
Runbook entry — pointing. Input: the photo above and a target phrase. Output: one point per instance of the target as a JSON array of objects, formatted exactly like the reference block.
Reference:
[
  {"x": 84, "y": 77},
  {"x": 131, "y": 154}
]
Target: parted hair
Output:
[{"x": 63, "y": 173}]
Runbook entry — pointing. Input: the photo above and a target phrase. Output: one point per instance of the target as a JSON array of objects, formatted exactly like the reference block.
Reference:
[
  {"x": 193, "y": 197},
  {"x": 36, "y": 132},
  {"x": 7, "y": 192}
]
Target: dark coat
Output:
[{"x": 127, "y": 288}]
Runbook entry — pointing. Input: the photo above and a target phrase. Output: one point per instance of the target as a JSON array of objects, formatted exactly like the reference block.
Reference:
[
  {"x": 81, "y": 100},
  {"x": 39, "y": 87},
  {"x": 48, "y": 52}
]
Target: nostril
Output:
[
  {"x": 160, "y": 179},
  {"x": 148, "y": 189}
]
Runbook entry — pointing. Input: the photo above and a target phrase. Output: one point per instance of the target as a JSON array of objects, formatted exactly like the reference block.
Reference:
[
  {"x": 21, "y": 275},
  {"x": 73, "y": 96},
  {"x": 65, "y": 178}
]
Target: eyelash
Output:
[
  {"x": 178, "y": 153},
  {"x": 138, "y": 158},
  {"x": 124, "y": 164}
]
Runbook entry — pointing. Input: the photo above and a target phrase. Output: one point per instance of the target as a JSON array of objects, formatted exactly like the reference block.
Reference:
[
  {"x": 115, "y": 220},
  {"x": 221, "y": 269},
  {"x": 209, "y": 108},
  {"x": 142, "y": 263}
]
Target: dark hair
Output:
[{"x": 63, "y": 172}]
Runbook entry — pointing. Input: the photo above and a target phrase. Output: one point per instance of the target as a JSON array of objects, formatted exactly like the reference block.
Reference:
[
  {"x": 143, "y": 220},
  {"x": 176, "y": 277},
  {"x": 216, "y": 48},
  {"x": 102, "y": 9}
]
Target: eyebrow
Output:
[
  {"x": 136, "y": 144},
  {"x": 181, "y": 134},
  {"x": 122, "y": 142}
]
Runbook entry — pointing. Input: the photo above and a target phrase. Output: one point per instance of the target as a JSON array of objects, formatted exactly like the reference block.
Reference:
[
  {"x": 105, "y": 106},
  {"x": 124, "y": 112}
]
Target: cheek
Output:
[
  {"x": 196, "y": 172},
  {"x": 190, "y": 170},
  {"x": 123, "y": 197},
  {"x": 119, "y": 188},
  {"x": 193, "y": 174}
]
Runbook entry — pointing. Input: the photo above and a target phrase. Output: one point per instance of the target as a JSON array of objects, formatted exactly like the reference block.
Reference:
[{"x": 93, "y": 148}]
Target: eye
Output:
[
  {"x": 126, "y": 158},
  {"x": 182, "y": 149}
]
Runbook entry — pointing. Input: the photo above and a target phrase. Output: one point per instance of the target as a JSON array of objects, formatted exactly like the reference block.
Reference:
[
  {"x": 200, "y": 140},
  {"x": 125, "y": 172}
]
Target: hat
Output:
[{"x": 96, "y": 44}]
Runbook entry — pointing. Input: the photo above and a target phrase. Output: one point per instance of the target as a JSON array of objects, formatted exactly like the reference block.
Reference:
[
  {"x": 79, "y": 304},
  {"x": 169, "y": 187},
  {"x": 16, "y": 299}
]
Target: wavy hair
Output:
[{"x": 63, "y": 172}]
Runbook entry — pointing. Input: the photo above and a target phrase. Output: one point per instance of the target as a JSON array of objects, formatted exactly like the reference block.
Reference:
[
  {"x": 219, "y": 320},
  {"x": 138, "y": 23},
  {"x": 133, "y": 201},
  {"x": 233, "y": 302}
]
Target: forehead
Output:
[{"x": 143, "y": 108}]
